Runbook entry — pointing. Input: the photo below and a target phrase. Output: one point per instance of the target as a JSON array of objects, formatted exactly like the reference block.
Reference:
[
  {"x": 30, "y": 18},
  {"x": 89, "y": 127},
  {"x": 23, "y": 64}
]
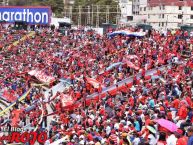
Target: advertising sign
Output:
[{"x": 31, "y": 15}]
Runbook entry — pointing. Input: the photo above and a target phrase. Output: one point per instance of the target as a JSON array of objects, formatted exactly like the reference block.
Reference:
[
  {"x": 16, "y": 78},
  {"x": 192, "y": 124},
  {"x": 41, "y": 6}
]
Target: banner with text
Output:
[
  {"x": 42, "y": 76},
  {"x": 31, "y": 15}
]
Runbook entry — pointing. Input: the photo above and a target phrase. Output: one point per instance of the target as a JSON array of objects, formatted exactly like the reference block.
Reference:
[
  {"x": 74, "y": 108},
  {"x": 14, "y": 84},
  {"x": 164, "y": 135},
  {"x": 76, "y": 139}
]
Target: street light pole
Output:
[
  {"x": 88, "y": 20},
  {"x": 79, "y": 18},
  {"x": 97, "y": 17},
  {"x": 107, "y": 14},
  {"x": 92, "y": 17}
]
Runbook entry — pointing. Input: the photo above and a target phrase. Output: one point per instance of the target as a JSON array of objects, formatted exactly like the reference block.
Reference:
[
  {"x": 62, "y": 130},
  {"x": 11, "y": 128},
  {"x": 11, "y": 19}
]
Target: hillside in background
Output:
[{"x": 56, "y": 5}]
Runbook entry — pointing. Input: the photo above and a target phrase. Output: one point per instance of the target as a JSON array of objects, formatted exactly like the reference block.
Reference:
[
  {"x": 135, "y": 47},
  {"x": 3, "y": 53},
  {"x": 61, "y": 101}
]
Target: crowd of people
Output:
[{"x": 139, "y": 114}]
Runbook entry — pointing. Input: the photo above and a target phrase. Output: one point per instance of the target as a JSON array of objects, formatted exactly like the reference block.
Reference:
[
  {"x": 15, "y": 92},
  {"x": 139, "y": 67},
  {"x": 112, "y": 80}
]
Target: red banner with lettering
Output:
[
  {"x": 41, "y": 76},
  {"x": 66, "y": 100}
]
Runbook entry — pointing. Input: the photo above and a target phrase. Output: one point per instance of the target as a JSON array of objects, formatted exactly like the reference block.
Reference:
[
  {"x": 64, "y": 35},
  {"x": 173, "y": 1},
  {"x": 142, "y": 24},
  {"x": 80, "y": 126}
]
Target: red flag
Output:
[
  {"x": 131, "y": 65},
  {"x": 160, "y": 60},
  {"x": 42, "y": 76},
  {"x": 132, "y": 57},
  {"x": 190, "y": 64},
  {"x": 66, "y": 100},
  {"x": 94, "y": 83}
]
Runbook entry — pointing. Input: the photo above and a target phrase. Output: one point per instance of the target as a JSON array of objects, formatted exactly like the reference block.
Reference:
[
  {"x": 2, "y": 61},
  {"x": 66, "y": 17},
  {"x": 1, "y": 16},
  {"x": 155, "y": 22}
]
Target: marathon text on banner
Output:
[{"x": 31, "y": 15}]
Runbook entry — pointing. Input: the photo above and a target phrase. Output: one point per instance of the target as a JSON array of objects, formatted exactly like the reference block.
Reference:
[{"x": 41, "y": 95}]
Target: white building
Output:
[
  {"x": 168, "y": 15},
  {"x": 126, "y": 11},
  {"x": 138, "y": 6}
]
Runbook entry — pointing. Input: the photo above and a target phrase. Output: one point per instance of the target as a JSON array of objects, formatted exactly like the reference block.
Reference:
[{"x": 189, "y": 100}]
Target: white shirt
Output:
[
  {"x": 108, "y": 130},
  {"x": 153, "y": 140},
  {"x": 78, "y": 118},
  {"x": 171, "y": 140},
  {"x": 92, "y": 116},
  {"x": 47, "y": 142},
  {"x": 116, "y": 126},
  {"x": 136, "y": 141}
]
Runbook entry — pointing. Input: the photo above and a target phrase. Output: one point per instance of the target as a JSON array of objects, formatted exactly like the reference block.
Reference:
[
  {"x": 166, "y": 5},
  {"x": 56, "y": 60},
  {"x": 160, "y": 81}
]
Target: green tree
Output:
[
  {"x": 102, "y": 8},
  {"x": 56, "y": 5}
]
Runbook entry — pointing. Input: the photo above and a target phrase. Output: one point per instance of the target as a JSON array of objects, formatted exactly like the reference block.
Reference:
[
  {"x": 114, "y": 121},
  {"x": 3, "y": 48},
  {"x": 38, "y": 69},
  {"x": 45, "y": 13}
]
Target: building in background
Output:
[
  {"x": 137, "y": 7},
  {"x": 126, "y": 11},
  {"x": 167, "y": 14}
]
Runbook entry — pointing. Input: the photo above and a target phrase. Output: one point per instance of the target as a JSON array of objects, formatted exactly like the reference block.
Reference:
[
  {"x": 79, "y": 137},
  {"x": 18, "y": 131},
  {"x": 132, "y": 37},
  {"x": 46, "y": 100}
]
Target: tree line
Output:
[{"x": 58, "y": 8}]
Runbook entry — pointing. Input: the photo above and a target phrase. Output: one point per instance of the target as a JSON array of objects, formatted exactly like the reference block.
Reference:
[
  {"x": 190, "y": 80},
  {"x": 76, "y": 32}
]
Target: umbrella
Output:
[
  {"x": 113, "y": 65},
  {"x": 150, "y": 128},
  {"x": 167, "y": 124}
]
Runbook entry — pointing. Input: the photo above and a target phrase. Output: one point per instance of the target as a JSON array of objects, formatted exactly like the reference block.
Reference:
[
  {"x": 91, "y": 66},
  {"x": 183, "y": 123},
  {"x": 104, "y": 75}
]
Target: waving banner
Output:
[
  {"x": 9, "y": 96},
  {"x": 132, "y": 57},
  {"x": 127, "y": 33},
  {"x": 66, "y": 100},
  {"x": 42, "y": 76},
  {"x": 13, "y": 104},
  {"x": 113, "y": 66},
  {"x": 131, "y": 65},
  {"x": 94, "y": 82}
]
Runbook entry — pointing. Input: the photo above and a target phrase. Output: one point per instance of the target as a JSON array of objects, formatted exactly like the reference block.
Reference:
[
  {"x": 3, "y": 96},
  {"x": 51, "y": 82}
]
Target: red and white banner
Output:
[
  {"x": 123, "y": 85},
  {"x": 131, "y": 65},
  {"x": 42, "y": 76},
  {"x": 132, "y": 57},
  {"x": 66, "y": 100},
  {"x": 94, "y": 82},
  {"x": 9, "y": 96}
]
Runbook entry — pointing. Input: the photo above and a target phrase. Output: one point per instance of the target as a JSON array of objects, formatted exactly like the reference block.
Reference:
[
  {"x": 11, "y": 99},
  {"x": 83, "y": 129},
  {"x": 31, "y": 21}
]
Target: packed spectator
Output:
[{"x": 139, "y": 114}]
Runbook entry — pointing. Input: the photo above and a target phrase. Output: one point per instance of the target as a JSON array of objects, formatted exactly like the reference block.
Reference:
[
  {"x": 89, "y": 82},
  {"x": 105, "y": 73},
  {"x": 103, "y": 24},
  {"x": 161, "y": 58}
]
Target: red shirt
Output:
[
  {"x": 182, "y": 112},
  {"x": 176, "y": 103},
  {"x": 188, "y": 99},
  {"x": 182, "y": 141}
]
